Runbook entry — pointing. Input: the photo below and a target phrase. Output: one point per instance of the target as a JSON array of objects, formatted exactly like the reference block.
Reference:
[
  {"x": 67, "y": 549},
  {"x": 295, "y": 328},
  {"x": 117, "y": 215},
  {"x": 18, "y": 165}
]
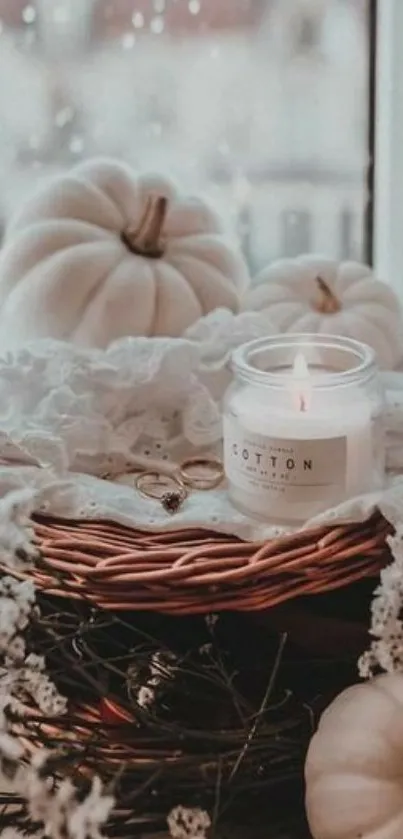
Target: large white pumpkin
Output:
[
  {"x": 101, "y": 253},
  {"x": 319, "y": 295},
  {"x": 354, "y": 767}
]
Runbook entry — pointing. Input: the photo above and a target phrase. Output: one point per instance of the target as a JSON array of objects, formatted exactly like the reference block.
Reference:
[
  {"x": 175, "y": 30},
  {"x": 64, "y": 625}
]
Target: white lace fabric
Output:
[{"x": 68, "y": 415}]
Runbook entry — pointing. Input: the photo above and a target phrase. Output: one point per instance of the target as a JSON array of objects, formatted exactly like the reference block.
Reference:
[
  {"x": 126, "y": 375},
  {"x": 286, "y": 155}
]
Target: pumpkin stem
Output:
[
  {"x": 328, "y": 303},
  {"x": 145, "y": 240}
]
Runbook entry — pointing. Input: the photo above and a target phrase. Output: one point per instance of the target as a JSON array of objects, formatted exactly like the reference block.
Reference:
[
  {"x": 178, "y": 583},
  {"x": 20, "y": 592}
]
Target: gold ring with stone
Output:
[
  {"x": 168, "y": 489},
  {"x": 202, "y": 472}
]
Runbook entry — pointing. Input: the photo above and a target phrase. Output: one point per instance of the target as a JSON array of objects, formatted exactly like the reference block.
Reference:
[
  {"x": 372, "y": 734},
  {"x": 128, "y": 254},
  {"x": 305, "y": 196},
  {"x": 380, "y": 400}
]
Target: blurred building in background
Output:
[{"x": 260, "y": 104}]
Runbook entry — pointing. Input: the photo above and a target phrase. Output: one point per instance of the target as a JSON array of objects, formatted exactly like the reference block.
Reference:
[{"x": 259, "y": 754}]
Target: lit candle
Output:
[
  {"x": 301, "y": 382},
  {"x": 299, "y": 443}
]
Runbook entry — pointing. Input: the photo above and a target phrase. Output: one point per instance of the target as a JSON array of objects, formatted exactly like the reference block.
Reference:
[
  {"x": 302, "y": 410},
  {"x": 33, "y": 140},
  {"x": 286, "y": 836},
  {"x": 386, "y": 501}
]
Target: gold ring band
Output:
[{"x": 204, "y": 481}]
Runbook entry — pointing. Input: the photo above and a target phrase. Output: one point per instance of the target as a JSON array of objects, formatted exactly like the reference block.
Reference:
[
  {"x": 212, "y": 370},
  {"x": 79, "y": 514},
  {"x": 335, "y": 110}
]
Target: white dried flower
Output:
[
  {"x": 17, "y": 601},
  {"x": 40, "y": 760},
  {"x": 10, "y": 747},
  {"x": 17, "y": 708},
  {"x": 367, "y": 664},
  {"x": 386, "y": 650},
  {"x": 13, "y": 833},
  {"x": 37, "y": 789},
  {"x": 58, "y": 807},
  {"x": 16, "y": 548},
  {"x": 162, "y": 668},
  {"x": 145, "y": 696},
  {"x": 11, "y": 753},
  {"x": 88, "y": 817},
  {"x": 157, "y": 665},
  {"x": 36, "y": 663},
  {"x": 3, "y": 718},
  {"x": 28, "y": 680},
  {"x": 15, "y": 651},
  {"x": 37, "y": 684},
  {"x": 9, "y": 617},
  {"x": 188, "y": 823},
  {"x": 23, "y": 677}
]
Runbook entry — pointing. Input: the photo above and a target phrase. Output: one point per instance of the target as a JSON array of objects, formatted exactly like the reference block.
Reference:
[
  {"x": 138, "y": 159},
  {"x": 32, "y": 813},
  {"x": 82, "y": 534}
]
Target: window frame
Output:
[{"x": 387, "y": 168}]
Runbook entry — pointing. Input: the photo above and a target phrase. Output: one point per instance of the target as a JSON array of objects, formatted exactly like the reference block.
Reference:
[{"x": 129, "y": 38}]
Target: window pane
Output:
[{"x": 260, "y": 104}]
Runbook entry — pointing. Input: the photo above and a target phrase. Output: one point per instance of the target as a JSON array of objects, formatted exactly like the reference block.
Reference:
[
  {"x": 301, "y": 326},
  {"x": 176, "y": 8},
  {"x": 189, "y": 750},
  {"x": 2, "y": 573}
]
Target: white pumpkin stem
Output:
[
  {"x": 146, "y": 239},
  {"x": 328, "y": 303}
]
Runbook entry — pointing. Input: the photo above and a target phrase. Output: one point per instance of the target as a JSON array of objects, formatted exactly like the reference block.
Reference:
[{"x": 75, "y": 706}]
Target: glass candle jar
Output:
[{"x": 303, "y": 426}]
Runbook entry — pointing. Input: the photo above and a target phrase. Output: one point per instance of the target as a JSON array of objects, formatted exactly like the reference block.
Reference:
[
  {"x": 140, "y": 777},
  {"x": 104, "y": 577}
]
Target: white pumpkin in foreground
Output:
[
  {"x": 100, "y": 254},
  {"x": 354, "y": 767},
  {"x": 318, "y": 295}
]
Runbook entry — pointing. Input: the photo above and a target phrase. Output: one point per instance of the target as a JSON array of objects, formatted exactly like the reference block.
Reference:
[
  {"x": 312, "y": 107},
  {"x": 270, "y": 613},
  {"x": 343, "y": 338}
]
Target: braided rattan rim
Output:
[{"x": 195, "y": 571}]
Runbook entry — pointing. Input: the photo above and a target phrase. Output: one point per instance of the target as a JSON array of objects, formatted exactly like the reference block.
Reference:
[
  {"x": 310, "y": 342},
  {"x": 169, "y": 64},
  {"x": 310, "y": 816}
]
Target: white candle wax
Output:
[{"x": 294, "y": 451}]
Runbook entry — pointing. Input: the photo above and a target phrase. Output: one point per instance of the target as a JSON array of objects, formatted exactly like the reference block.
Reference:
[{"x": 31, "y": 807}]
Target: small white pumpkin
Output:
[
  {"x": 319, "y": 295},
  {"x": 354, "y": 766},
  {"x": 100, "y": 254}
]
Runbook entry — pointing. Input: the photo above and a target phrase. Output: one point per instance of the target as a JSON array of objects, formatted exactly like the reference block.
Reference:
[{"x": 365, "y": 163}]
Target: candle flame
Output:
[{"x": 301, "y": 381}]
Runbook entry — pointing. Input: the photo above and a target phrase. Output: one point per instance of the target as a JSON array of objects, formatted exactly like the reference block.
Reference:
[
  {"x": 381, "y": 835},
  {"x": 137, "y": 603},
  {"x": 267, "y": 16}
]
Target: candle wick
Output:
[{"x": 302, "y": 403}]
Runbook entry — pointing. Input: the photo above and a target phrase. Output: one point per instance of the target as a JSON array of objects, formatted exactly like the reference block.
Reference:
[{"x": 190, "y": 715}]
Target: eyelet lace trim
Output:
[{"x": 78, "y": 414}]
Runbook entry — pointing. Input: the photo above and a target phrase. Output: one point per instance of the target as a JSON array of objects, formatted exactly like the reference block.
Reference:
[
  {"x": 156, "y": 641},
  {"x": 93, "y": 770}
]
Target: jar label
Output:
[{"x": 284, "y": 469}]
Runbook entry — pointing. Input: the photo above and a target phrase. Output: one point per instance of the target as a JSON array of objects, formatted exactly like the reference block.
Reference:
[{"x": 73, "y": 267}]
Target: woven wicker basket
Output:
[
  {"x": 98, "y": 574},
  {"x": 195, "y": 571}
]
